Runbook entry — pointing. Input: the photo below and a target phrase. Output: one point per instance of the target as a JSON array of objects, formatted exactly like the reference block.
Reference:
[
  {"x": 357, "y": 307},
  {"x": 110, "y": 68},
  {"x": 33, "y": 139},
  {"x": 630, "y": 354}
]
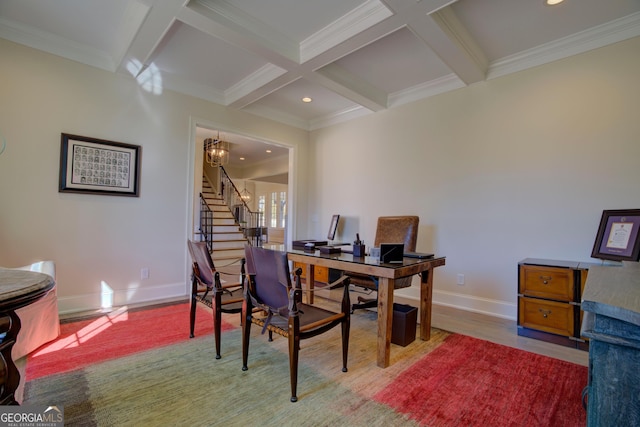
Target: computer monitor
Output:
[{"x": 333, "y": 227}]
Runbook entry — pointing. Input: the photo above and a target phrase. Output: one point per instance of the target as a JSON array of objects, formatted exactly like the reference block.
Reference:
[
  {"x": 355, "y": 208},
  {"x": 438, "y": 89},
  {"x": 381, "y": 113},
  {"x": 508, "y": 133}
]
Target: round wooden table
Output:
[{"x": 18, "y": 288}]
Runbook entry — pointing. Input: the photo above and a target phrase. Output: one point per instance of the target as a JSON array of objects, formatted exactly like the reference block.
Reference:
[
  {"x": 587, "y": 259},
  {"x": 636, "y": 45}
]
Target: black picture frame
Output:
[
  {"x": 96, "y": 166},
  {"x": 333, "y": 227},
  {"x": 618, "y": 237}
]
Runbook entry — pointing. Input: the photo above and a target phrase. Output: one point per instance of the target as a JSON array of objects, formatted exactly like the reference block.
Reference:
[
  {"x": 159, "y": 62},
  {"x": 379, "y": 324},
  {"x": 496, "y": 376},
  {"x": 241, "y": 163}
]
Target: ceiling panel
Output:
[
  {"x": 358, "y": 56},
  {"x": 395, "y": 62},
  {"x": 507, "y": 27},
  {"x": 200, "y": 58},
  {"x": 289, "y": 100},
  {"x": 294, "y": 18}
]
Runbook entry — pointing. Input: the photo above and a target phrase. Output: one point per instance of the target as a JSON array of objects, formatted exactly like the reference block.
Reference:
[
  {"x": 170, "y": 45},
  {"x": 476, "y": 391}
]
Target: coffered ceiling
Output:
[{"x": 351, "y": 57}]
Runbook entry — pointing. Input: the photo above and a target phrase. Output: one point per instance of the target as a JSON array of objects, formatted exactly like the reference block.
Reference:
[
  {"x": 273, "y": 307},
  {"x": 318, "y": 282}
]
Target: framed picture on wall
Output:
[
  {"x": 618, "y": 237},
  {"x": 95, "y": 166}
]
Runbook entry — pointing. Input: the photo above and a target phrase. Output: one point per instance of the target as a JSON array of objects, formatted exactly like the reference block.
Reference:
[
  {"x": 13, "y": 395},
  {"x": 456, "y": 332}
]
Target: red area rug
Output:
[
  {"x": 466, "y": 381},
  {"x": 117, "y": 334}
]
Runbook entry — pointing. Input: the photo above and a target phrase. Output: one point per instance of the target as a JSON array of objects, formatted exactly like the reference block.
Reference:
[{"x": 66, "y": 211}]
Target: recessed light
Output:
[
  {"x": 268, "y": 151},
  {"x": 241, "y": 158},
  {"x": 552, "y": 2},
  {"x": 306, "y": 99}
]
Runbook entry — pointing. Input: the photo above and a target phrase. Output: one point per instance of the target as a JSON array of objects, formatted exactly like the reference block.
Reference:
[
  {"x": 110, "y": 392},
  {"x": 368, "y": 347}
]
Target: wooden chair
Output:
[
  {"x": 390, "y": 229},
  {"x": 268, "y": 287},
  {"x": 207, "y": 288}
]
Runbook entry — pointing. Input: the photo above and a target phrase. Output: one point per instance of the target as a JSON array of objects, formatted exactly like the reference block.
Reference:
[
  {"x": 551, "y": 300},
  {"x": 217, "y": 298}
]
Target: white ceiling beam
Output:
[
  {"x": 449, "y": 39},
  {"x": 322, "y": 69},
  {"x": 151, "y": 34},
  {"x": 258, "y": 93},
  {"x": 239, "y": 30},
  {"x": 441, "y": 31},
  {"x": 348, "y": 85}
]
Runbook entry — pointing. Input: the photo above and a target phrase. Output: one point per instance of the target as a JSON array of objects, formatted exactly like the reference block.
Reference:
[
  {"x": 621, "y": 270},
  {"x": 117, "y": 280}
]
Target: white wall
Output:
[
  {"x": 105, "y": 239},
  {"x": 520, "y": 166}
]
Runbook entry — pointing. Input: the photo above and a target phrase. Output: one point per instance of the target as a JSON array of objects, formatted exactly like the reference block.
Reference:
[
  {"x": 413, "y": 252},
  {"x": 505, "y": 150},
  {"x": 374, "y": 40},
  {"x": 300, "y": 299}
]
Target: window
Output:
[
  {"x": 261, "y": 206},
  {"x": 283, "y": 209},
  {"x": 274, "y": 209}
]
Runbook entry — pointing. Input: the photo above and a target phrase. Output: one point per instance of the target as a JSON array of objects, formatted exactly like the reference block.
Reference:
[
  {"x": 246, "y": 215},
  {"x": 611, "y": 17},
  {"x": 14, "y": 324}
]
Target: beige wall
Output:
[
  {"x": 520, "y": 166},
  {"x": 102, "y": 242}
]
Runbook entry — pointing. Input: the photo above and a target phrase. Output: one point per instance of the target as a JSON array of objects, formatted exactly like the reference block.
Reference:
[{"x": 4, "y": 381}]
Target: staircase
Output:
[{"x": 228, "y": 239}]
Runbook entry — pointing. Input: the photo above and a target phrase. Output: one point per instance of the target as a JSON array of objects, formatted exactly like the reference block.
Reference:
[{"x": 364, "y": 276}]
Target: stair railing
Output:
[
  {"x": 206, "y": 223},
  {"x": 249, "y": 221}
]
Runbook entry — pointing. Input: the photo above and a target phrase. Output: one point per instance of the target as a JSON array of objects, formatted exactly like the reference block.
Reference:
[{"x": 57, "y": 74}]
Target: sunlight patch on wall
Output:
[
  {"x": 147, "y": 76},
  {"x": 106, "y": 301}
]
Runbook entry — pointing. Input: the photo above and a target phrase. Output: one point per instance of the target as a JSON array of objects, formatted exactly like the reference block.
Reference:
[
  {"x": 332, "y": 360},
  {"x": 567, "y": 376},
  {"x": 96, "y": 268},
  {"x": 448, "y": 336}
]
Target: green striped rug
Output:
[{"x": 450, "y": 380}]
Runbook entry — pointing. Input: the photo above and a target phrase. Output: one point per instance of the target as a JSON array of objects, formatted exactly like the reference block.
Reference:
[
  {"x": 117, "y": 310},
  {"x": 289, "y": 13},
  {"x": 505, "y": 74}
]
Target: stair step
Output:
[
  {"x": 219, "y": 207},
  {"x": 220, "y": 257},
  {"x": 228, "y": 245},
  {"x": 227, "y": 237},
  {"x": 225, "y": 229},
  {"x": 224, "y": 221}
]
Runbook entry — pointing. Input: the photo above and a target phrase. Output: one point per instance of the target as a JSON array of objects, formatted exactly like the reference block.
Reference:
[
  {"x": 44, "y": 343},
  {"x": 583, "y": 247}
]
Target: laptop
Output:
[{"x": 391, "y": 253}]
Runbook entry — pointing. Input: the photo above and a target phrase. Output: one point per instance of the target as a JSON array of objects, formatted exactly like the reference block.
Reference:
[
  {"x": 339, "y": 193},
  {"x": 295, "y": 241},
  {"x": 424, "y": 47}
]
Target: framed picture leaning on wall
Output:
[
  {"x": 618, "y": 237},
  {"x": 95, "y": 166}
]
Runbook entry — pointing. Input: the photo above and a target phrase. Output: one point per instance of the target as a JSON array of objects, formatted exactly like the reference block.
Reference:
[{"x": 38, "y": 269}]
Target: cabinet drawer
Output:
[
  {"x": 547, "y": 282},
  {"x": 320, "y": 274},
  {"x": 549, "y": 316}
]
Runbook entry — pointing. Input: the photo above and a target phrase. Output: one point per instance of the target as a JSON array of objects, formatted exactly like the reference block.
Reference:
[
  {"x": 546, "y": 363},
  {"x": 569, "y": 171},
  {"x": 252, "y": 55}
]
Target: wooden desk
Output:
[
  {"x": 387, "y": 273},
  {"x": 18, "y": 288}
]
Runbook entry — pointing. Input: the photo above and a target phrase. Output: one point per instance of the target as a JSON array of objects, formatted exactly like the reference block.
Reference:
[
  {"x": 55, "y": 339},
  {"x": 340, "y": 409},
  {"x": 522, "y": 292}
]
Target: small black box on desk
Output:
[
  {"x": 329, "y": 250},
  {"x": 300, "y": 244}
]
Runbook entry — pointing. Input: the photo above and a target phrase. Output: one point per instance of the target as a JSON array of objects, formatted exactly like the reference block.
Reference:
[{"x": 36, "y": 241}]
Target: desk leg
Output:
[
  {"x": 385, "y": 320},
  {"x": 426, "y": 295},
  {"x": 311, "y": 282}
]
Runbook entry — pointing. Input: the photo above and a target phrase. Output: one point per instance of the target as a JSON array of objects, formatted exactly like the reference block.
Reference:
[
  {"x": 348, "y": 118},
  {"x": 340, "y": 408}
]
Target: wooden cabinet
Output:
[
  {"x": 612, "y": 321},
  {"x": 321, "y": 274},
  {"x": 549, "y": 293}
]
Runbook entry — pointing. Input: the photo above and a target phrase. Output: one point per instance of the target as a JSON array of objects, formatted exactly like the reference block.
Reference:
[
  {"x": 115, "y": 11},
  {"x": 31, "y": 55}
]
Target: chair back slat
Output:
[
  {"x": 270, "y": 272},
  {"x": 201, "y": 256}
]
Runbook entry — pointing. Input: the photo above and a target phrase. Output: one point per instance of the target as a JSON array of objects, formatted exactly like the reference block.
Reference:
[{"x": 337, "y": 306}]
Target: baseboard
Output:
[
  {"x": 489, "y": 307},
  {"x": 119, "y": 298}
]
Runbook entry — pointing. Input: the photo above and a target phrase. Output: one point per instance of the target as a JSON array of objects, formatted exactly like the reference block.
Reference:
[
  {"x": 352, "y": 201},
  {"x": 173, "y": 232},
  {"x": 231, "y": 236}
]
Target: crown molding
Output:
[
  {"x": 361, "y": 18},
  {"x": 425, "y": 90},
  {"x": 584, "y": 41},
  {"x": 196, "y": 90},
  {"x": 233, "y": 17},
  {"x": 255, "y": 80},
  {"x": 339, "y": 117},
  {"x": 271, "y": 114},
  {"x": 55, "y": 45}
]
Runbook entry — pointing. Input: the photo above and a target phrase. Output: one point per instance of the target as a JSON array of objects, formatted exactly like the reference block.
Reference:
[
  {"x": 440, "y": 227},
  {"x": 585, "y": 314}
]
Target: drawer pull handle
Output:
[
  {"x": 545, "y": 279},
  {"x": 545, "y": 313}
]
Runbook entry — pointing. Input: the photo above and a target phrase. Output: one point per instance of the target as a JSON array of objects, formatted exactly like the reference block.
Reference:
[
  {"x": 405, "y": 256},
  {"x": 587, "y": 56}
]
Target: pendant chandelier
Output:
[
  {"x": 216, "y": 151},
  {"x": 245, "y": 194}
]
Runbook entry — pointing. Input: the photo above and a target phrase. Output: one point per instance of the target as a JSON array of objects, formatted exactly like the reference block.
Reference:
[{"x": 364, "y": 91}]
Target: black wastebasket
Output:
[{"x": 405, "y": 317}]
